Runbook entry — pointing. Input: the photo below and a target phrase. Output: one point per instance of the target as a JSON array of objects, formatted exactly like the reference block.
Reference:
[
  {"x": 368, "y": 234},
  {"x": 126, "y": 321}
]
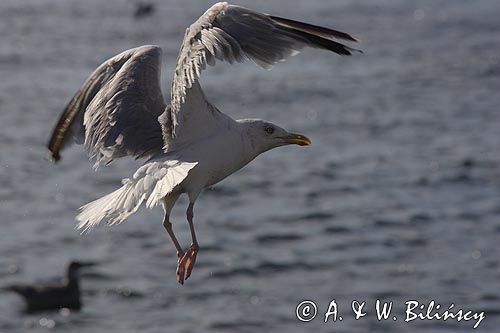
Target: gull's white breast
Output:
[{"x": 218, "y": 156}]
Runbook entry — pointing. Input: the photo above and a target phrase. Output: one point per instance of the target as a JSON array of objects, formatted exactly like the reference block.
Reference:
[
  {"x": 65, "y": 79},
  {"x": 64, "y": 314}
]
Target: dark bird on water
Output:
[
  {"x": 56, "y": 296},
  {"x": 143, "y": 9}
]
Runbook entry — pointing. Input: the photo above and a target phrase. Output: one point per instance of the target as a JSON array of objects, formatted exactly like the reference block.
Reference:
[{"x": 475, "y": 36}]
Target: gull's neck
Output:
[{"x": 249, "y": 145}]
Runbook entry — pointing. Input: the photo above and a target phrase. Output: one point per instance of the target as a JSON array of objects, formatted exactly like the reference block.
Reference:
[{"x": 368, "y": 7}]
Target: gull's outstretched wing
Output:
[
  {"x": 234, "y": 34},
  {"x": 115, "y": 112}
]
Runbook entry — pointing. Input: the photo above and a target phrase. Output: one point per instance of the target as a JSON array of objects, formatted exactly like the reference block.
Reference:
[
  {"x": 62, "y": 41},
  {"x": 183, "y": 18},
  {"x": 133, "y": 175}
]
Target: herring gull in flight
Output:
[{"x": 120, "y": 111}]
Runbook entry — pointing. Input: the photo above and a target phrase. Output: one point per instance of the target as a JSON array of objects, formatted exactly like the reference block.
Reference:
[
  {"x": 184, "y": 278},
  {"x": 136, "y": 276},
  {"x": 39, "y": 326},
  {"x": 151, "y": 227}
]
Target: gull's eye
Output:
[{"x": 269, "y": 130}]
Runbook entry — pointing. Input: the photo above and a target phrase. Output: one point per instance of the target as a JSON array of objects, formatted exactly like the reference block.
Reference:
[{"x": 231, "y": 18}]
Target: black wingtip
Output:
[
  {"x": 325, "y": 43},
  {"x": 314, "y": 29},
  {"x": 317, "y": 36},
  {"x": 52, "y": 156},
  {"x": 355, "y": 51}
]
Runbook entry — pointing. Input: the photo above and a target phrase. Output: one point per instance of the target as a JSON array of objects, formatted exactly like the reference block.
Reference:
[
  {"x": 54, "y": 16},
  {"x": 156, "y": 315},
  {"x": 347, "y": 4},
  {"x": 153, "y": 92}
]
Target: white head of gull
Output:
[{"x": 120, "y": 111}]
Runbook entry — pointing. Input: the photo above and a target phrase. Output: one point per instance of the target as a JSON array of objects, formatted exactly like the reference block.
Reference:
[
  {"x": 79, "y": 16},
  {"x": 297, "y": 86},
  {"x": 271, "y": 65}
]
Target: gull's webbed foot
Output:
[
  {"x": 186, "y": 263},
  {"x": 180, "y": 254}
]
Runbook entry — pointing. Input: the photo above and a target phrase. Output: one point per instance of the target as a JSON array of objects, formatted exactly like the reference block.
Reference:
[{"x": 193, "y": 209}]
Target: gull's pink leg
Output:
[
  {"x": 186, "y": 263},
  {"x": 168, "y": 226},
  {"x": 168, "y": 204}
]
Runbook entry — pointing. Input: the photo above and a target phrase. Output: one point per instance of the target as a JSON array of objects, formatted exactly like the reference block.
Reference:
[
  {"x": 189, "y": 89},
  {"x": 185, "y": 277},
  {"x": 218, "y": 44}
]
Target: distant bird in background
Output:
[
  {"x": 189, "y": 144},
  {"x": 55, "y": 296},
  {"x": 143, "y": 9}
]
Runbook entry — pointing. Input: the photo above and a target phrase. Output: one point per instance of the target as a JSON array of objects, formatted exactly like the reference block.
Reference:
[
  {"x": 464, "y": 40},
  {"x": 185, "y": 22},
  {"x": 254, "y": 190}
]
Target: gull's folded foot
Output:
[{"x": 186, "y": 263}]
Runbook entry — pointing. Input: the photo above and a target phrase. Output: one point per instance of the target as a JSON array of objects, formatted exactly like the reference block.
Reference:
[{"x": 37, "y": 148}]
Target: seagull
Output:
[
  {"x": 188, "y": 144},
  {"x": 50, "y": 297}
]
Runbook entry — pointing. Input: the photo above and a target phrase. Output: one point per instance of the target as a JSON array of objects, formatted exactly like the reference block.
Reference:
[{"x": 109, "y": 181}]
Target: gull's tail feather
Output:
[
  {"x": 115, "y": 207},
  {"x": 150, "y": 184}
]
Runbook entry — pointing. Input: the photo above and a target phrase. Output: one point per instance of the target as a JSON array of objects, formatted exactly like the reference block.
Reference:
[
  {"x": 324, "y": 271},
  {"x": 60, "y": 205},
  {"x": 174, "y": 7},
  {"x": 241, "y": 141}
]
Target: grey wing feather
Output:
[
  {"x": 234, "y": 34},
  {"x": 115, "y": 113}
]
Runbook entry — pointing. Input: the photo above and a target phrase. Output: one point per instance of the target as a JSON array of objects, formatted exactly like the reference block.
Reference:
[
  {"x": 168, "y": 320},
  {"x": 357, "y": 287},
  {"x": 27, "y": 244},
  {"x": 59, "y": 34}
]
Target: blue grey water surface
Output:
[{"x": 397, "y": 199}]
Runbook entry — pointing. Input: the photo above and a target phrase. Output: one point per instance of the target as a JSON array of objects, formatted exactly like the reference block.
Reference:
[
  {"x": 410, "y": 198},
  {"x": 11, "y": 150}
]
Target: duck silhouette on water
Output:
[
  {"x": 55, "y": 296},
  {"x": 144, "y": 9}
]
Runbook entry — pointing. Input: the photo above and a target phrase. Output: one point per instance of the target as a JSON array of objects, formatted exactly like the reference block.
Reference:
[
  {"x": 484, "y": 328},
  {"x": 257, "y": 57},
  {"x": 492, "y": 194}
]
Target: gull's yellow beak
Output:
[{"x": 297, "y": 139}]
